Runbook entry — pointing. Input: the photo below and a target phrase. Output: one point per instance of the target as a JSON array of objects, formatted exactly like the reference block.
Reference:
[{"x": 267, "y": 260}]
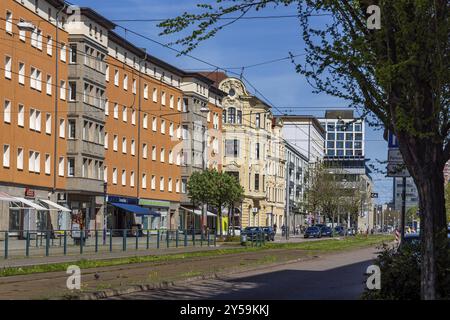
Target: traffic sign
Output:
[
  {"x": 397, "y": 170},
  {"x": 394, "y": 155},
  {"x": 392, "y": 141}
]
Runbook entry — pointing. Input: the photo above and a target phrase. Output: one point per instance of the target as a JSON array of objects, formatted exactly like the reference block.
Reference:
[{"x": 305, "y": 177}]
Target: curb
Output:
[{"x": 109, "y": 293}]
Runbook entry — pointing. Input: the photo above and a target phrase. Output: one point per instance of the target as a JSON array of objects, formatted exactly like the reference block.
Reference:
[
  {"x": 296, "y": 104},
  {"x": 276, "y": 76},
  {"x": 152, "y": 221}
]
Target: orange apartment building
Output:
[
  {"x": 122, "y": 126},
  {"x": 33, "y": 115}
]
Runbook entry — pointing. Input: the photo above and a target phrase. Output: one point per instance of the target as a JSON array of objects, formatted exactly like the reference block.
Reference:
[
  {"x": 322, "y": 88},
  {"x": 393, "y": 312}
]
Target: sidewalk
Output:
[{"x": 33, "y": 261}]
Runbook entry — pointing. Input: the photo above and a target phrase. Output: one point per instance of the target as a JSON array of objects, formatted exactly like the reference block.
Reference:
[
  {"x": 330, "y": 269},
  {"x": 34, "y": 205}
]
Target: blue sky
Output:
[{"x": 244, "y": 43}]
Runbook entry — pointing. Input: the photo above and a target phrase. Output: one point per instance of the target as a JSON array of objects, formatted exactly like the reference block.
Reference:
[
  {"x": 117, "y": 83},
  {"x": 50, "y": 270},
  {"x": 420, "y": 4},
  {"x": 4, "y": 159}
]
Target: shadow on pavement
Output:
[{"x": 342, "y": 283}]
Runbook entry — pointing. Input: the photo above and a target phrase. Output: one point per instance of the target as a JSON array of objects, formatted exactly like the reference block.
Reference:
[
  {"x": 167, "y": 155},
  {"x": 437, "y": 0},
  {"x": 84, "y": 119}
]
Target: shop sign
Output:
[
  {"x": 29, "y": 193},
  {"x": 154, "y": 203},
  {"x": 115, "y": 199}
]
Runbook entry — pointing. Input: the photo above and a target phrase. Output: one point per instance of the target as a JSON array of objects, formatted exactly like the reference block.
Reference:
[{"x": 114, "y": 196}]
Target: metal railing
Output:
[{"x": 39, "y": 243}]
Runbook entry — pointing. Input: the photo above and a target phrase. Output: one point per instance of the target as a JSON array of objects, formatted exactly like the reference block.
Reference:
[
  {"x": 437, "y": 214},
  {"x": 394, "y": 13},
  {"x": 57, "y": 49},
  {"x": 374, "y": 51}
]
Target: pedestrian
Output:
[
  {"x": 275, "y": 228},
  {"x": 283, "y": 230}
]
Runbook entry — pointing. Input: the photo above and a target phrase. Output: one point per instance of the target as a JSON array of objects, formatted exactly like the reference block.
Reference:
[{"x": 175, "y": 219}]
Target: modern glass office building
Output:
[{"x": 345, "y": 134}]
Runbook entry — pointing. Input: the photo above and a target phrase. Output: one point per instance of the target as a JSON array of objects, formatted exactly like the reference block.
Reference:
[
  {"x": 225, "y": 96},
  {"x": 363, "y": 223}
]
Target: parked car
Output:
[
  {"x": 340, "y": 230},
  {"x": 252, "y": 233},
  {"x": 270, "y": 233},
  {"x": 320, "y": 225},
  {"x": 326, "y": 231},
  {"x": 237, "y": 231},
  {"x": 313, "y": 232}
]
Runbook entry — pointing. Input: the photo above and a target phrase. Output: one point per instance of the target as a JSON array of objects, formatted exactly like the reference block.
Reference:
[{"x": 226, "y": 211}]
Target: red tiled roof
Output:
[{"x": 216, "y": 76}]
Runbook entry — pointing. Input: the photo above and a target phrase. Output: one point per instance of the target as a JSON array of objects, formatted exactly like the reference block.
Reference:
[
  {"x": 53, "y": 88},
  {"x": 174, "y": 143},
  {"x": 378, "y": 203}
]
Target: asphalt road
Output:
[{"x": 337, "y": 276}]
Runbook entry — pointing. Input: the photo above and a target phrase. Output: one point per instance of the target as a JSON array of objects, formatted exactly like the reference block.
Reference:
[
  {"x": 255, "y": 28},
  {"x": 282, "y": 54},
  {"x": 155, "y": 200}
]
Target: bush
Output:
[{"x": 400, "y": 274}]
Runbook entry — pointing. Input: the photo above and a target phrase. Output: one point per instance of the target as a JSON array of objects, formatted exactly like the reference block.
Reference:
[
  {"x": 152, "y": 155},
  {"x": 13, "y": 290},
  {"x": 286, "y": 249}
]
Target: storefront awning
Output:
[
  {"x": 56, "y": 206},
  {"x": 30, "y": 203},
  {"x": 199, "y": 212},
  {"x": 140, "y": 211},
  {"x": 6, "y": 197}
]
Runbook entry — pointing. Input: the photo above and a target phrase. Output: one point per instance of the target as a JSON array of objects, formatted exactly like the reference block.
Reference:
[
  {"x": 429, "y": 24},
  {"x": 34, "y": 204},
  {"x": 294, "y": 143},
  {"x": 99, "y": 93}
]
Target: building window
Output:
[
  {"x": 63, "y": 90},
  {"x": 162, "y": 155},
  {"x": 107, "y": 73},
  {"x": 72, "y": 128},
  {"x": 154, "y": 124},
  {"x": 146, "y": 91},
  {"x": 177, "y": 186},
  {"x": 114, "y": 175},
  {"x": 145, "y": 121},
  {"x": 105, "y": 174},
  {"x": 49, "y": 46},
  {"x": 48, "y": 123},
  {"x": 132, "y": 179},
  {"x": 115, "y": 142},
  {"x": 133, "y": 117},
  {"x": 179, "y": 104},
  {"x": 19, "y": 159},
  {"x": 239, "y": 117},
  {"x": 21, "y": 73},
  {"x": 258, "y": 120},
  {"x": 21, "y": 116},
  {"x": 124, "y": 145},
  {"x": 144, "y": 151},
  {"x": 61, "y": 167},
  {"x": 116, "y": 78},
  {"x": 133, "y": 147},
  {"x": 256, "y": 182},
  {"x": 72, "y": 91},
  {"x": 134, "y": 86},
  {"x": 49, "y": 85},
  {"x": 171, "y": 129},
  {"x": 6, "y": 156},
  {"x": 124, "y": 177},
  {"x": 106, "y": 140},
  {"x": 70, "y": 167},
  {"x": 63, "y": 52},
  {"x": 161, "y": 184},
  {"x": 155, "y": 95},
  {"x": 125, "y": 82},
  {"x": 116, "y": 111},
  {"x": 144, "y": 181},
  {"x": 171, "y": 101},
  {"x": 73, "y": 54},
  {"x": 169, "y": 185},
  {"x": 62, "y": 128},
  {"x": 154, "y": 153},
  {"x": 163, "y": 126},
  {"x": 9, "y": 22},
  {"x": 153, "y": 183},
  {"x": 124, "y": 114},
  {"x": 8, "y": 66},
  {"x": 232, "y": 148},
  {"x": 7, "y": 112},
  {"x": 231, "y": 115},
  {"x": 170, "y": 157}
]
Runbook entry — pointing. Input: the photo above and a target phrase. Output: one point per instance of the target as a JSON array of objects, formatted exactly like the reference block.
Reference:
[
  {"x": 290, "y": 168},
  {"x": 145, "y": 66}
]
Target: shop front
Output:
[{"x": 165, "y": 216}]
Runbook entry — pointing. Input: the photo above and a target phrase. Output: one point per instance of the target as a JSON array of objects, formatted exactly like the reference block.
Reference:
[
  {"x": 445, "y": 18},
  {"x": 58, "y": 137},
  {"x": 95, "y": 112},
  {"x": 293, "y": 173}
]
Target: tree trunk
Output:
[{"x": 433, "y": 228}]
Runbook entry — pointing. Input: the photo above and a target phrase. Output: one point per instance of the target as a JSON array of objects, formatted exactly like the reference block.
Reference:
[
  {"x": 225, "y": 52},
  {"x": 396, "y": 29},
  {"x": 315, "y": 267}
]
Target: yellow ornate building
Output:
[{"x": 253, "y": 152}]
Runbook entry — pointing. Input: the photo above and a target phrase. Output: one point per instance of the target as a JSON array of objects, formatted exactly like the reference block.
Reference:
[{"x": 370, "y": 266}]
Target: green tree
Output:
[
  {"x": 215, "y": 188},
  {"x": 398, "y": 76}
]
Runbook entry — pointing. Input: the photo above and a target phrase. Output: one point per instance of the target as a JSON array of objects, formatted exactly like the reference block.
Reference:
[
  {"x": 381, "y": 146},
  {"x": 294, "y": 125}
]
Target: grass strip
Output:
[{"x": 321, "y": 245}]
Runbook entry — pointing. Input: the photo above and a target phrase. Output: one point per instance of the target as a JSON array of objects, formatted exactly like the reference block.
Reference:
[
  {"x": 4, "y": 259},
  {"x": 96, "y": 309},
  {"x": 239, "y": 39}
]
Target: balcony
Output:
[
  {"x": 86, "y": 148},
  {"x": 85, "y": 185}
]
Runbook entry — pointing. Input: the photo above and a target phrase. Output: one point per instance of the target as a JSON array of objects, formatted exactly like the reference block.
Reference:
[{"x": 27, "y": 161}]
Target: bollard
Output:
[
  {"x": 110, "y": 240},
  {"x": 137, "y": 239},
  {"x": 81, "y": 241},
  {"x": 96, "y": 241},
  {"x": 148, "y": 239},
  {"x": 167, "y": 237},
  {"x": 185, "y": 238},
  {"x": 6, "y": 244},
  {"x": 27, "y": 246},
  {"x": 157, "y": 240},
  {"x": 47, "y": 243},
  {"x": 124, "y": 240},
  {"x": 208, "y": 238},
  {"x": 65, "y": 242},
  {"x": 176, "y": 238}
]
